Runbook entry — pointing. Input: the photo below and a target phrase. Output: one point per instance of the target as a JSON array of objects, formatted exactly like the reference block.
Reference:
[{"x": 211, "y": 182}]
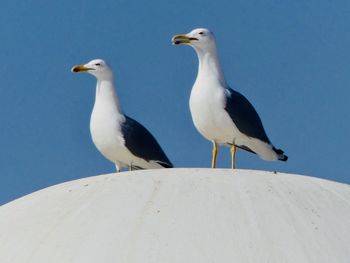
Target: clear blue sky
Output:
[{"x": 289, "y": 58}]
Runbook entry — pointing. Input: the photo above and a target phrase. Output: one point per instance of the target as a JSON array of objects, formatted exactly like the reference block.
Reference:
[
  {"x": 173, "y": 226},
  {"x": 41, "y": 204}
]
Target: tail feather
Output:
[{"x": 281, "y": 155}]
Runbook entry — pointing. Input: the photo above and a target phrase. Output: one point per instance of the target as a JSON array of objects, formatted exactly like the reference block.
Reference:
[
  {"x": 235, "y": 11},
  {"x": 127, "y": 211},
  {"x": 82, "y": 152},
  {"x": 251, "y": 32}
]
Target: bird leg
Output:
[
  {"x": 117, "y": 169},
  {"x": 215, "y": 153},
  {"x": 130, "y": 167},
  {"x": 233, "y": 154}
]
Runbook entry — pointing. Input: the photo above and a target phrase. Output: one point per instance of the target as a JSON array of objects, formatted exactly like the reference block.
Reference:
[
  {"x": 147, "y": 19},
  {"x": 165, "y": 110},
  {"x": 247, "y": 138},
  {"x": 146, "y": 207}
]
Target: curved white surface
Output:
[{"x": 180, "y": 215}]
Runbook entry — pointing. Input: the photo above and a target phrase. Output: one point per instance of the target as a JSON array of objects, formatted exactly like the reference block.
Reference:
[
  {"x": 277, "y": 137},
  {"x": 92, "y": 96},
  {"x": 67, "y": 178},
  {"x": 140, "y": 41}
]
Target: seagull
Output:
[
  {"x": 219, "y": 113},
  {"x": 119, "y": 138}
]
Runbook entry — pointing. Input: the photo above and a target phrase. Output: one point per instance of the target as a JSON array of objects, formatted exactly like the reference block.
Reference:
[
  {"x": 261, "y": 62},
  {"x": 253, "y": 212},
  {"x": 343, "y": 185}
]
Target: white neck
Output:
[
  {"x": 106, "y": 96},
  {"x": 209, "y": 67}
]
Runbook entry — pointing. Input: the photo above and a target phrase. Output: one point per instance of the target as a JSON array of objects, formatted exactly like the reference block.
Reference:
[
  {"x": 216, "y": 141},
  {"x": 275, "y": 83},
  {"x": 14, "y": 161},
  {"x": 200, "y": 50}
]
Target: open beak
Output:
[
  {"x": 80, "y": 68},
  {"x": 182, "y": 39}
]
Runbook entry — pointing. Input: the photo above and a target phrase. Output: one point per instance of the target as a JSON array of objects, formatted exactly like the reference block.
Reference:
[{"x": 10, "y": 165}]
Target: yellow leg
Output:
[
  {"x": 215, "y": 153},
  {"x": 130, "y": 167},
  {"x": 233, "y": 153}
]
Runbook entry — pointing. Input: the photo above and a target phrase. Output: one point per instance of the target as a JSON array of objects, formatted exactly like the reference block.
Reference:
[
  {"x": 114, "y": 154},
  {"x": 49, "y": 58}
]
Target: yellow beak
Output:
[
  {"x": 182, "y": 39},
  {"x": 80, "y": 68}
]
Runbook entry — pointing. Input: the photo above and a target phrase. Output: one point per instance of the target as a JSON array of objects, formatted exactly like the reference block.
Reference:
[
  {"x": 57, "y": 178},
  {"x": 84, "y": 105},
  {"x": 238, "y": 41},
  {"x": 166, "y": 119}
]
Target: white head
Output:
[
  {"x": 201, "y": 39},
  {"x": 96, "y": 67}
]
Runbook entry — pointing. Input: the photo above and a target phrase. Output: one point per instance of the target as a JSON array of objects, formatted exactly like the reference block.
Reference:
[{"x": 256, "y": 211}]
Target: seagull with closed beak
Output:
[
  {"x": 221, "y": 114},
  {"x": 119, "y": 138}
]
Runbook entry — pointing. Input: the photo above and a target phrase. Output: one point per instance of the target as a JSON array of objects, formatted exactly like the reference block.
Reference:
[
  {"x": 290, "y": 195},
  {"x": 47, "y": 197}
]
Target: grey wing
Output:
[
  {"x": 244, "y": 115},
  {"x": 142, "y": 144}
]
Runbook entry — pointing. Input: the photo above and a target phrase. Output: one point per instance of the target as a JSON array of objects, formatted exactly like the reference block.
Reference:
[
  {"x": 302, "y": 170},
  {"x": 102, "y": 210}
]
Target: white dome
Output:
[{"x": 180, "y": 215}]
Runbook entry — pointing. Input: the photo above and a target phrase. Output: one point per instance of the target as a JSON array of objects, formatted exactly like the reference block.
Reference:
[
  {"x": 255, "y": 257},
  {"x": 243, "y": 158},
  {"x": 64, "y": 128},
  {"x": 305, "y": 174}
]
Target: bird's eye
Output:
[
  {"x": 98, "y": 64},
  {"x": 201, "y": 33}
]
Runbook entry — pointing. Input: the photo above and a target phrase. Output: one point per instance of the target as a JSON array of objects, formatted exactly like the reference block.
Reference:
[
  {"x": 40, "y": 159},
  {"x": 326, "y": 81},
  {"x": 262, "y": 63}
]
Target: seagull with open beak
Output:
[{"x": 221, "y": 114}]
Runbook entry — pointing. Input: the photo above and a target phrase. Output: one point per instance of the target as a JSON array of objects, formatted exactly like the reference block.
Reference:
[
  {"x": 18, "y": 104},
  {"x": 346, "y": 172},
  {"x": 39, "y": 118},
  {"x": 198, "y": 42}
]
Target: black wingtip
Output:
[
  {"x": 283, "y": 158},
  {"x": 281, "y": 155},
  {"x": 166, "y": 165}
]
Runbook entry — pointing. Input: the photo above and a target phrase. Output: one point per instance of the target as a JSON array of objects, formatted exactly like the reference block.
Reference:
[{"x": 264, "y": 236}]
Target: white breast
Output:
[
  {"x": 207, "y": 105},
  {"x": 106, "y": 132}
]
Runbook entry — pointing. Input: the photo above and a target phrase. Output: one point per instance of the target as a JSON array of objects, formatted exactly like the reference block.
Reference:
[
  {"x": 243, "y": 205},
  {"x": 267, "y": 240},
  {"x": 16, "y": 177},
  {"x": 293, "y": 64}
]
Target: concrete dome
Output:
[{"x": 180, "y": 215}]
